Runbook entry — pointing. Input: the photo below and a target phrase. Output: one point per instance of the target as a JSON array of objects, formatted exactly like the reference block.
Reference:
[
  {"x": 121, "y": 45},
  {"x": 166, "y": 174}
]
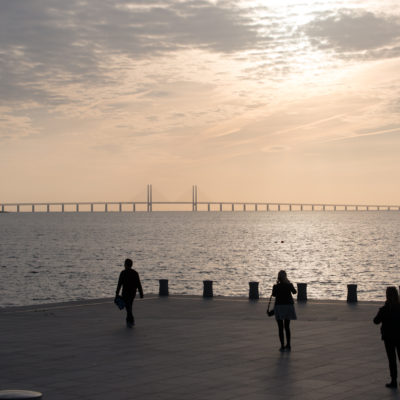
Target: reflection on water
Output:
[{"x": 56, "y": 257}]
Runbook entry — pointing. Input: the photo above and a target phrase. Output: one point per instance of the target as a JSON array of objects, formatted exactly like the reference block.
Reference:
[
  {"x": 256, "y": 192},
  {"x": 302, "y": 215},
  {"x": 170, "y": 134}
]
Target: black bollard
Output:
[
  {"x": 352, "y": 293},
  {"x": 20, "y": 395},
  {"x": 253, "y": 291},
  {"x": 207, "y": 289},
  {"x": 302, "y": 292},
  {"x": 163, "y": 287}
]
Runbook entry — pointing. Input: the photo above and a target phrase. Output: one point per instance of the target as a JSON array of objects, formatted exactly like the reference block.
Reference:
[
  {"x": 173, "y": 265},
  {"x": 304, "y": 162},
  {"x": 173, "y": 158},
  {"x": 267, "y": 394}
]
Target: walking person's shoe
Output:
[
  {"x": 288, "y": 348},
  {"x": 282, "y": 349},
  {"x": 392, "y": 384},
  {"x": 129, "y": 324}
]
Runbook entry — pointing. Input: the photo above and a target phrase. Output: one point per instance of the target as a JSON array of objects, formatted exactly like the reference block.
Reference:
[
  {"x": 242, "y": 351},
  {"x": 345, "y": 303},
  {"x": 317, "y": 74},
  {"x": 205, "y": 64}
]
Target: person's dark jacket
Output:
[
  {"x": 130, "y": 282},
  {"x": 283, "y": 293},
  {"x": 389, "y": 316}
]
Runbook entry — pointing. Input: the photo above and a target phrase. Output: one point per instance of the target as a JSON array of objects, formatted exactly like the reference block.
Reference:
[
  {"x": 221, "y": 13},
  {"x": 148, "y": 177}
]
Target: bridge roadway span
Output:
[
  {"x": 186, "y": 347},
  {"x": 196, "y": 205},
  {"x": 125, "y": 206}
]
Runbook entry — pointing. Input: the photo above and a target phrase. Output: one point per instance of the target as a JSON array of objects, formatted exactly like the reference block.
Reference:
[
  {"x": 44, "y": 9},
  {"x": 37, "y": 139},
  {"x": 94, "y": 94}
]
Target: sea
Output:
[{"x": 56, "y": 257}]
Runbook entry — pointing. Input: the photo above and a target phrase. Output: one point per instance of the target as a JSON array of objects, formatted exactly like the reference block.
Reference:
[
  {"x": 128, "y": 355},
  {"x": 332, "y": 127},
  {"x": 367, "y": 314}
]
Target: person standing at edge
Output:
[
  {"x": 389, "y": 316},
  {"x": 284, "y": 307},
  {"x": 130, "y": 282}
]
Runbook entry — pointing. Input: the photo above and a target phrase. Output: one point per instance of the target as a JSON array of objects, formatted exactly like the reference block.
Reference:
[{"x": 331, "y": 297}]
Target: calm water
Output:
[{"x": 56, "y": 257}]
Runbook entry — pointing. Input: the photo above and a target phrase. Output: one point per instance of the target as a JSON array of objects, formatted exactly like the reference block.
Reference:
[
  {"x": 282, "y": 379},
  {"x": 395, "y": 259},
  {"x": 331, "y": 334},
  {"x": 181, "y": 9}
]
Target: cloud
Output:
[
  {"x": 275, "y": 149},
  {"x": 378, "y": 130},
  {"x": 14, "y": 126},
  {"x": 146, "y": 67},
  {"x": 355, "y": 32},
  {"x": 45, "y": 44}
]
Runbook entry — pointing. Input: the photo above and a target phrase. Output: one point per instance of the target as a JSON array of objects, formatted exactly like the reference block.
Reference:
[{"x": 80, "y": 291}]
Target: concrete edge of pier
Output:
[{"x": 153, "y": 296}]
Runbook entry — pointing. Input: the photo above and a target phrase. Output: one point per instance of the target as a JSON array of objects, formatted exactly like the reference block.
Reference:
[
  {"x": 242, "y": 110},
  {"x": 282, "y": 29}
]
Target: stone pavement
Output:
[{"x": 185, "y": 347}]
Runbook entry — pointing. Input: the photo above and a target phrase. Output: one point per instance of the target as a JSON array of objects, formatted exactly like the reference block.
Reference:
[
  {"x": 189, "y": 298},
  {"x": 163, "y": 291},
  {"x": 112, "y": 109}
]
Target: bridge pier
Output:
[
  {"x": 105, "y": 207},
  {"x": 77, "y": 207},
  {"x": 279, "y": 207},
  {"x": 233, "y": 207},
  {"x": 208, "y": 207},
  {"x": 220, "y": 206},
  {"x": 48, "y": 208},
  {"x": 244, "y": 206},
  {"x": 91, "y": 207},
  {"x": 290, "y": 207},
  {"x": 133, "y": 207},
  {"x": 256, "y": 207},
  {"x": 120, "y": 207}
]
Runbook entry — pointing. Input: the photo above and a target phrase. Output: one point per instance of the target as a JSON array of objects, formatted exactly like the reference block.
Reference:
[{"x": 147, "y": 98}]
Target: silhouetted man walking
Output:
[{"x": 130, "y": 282}]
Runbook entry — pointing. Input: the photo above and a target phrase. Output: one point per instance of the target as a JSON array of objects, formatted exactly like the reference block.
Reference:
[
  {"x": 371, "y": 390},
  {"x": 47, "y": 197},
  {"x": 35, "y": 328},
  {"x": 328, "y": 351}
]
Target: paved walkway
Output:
[{"x": 191, "y": 348}]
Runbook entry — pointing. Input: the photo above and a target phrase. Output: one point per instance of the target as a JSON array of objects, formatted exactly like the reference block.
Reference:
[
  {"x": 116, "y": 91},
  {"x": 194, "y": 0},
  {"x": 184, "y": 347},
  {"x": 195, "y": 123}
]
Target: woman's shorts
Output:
[{"x": 285, "y": 311}]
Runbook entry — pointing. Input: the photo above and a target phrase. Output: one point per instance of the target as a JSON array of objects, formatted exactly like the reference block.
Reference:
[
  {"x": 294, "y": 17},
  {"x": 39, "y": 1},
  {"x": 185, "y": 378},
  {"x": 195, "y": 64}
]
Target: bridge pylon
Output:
[
  {"x": 149, "y": 198},
  {"x": 194, "y": 198}
]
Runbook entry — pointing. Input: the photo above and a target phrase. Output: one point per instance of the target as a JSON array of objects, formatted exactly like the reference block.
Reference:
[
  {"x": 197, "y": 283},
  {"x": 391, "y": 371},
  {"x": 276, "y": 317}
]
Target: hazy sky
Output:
[{"x": 251, "y": 100}]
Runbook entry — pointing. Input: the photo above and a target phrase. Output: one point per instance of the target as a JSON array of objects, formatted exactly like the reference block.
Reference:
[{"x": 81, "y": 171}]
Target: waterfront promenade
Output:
[{"x": 192, "y": 348}]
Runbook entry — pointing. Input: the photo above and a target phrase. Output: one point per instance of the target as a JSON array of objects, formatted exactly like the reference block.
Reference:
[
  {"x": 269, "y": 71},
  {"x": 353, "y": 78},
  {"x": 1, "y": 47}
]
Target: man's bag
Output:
[{"x": 119, "y": 301}]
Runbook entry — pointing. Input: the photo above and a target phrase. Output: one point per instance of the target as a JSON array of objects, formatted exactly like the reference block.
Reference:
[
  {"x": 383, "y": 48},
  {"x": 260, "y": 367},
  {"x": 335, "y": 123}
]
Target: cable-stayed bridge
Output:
[{"x": 194, "y": 204}]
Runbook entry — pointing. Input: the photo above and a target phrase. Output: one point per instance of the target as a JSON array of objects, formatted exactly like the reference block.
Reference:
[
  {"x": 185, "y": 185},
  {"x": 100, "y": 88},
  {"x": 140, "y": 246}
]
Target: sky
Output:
[{"x": 279, "y": 101}]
